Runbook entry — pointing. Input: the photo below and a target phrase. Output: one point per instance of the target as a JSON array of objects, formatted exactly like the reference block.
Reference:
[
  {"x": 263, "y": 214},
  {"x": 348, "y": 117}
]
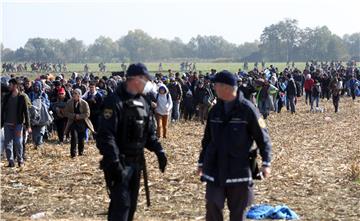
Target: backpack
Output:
[
  {"x": 39, "y": 113},
  {"x": 316, "y": 90},
  {"x": 167, "y": 97},
  {"x": 207, "y": 99}
]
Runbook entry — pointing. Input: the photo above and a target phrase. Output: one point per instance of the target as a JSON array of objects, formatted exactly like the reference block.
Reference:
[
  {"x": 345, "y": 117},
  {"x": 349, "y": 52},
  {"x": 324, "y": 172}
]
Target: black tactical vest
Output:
[{"x": 134, "y": 126}]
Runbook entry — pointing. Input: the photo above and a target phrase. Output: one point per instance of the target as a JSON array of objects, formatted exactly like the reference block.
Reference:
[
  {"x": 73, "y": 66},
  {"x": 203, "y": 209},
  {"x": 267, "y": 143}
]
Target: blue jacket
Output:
[
  {"x": 40, "y": 94},
  {"x": 227, "y": 141},
  {"x": 352, "y": 83}
]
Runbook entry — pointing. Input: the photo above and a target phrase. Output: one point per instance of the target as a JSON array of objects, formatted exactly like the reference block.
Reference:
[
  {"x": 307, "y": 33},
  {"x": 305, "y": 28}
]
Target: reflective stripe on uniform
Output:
[
  {"x": 238, "y": 121},
  {"x": 216, "y": 121},
  {"x": 239, "y": 180},
  {"x": 208, "y": 177},
  {"x": 266, "y": 163}
]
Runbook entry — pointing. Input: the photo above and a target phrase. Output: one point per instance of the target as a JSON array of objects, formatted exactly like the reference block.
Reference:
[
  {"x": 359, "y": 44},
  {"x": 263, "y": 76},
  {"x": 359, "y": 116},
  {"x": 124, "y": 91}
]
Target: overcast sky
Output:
[{"x": 237, "y": 21}]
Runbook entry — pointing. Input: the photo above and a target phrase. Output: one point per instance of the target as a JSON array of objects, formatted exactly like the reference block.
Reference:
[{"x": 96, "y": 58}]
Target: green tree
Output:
[
  {"x": 352, "y": 43},
  {"x": 137, "y": 44},
  {"x": 74, "y": 50},
  {"x": 103, "y": 49}
]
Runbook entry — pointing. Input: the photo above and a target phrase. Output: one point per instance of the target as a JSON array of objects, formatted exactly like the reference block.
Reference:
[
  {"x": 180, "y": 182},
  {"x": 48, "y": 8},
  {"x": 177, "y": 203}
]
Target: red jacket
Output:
[{"x": 308, "y": 84}]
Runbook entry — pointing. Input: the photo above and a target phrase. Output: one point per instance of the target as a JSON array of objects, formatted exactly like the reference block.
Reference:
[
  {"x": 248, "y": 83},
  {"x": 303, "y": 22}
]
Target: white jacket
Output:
[{"x": 164, "y": 102}]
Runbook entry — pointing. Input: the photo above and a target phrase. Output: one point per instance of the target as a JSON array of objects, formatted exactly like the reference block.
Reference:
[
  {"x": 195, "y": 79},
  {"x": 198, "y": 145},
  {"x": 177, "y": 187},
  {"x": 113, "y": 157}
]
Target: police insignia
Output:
[
  {"x": 262, "y": 123},
  {"x": 108, "y": 113}
]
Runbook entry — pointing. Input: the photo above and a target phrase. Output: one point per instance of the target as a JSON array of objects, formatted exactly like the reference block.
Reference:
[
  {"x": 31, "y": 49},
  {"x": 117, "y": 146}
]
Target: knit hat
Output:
[
  {"x": 78, "y": 91},
  {"x": 225, "y": 77},
  {"x": 138, "y": 69}
]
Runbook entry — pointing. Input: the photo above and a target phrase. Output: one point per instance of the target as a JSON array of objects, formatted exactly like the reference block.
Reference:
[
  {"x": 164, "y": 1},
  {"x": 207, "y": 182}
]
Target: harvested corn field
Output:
[{"x": 315, "y": 169}]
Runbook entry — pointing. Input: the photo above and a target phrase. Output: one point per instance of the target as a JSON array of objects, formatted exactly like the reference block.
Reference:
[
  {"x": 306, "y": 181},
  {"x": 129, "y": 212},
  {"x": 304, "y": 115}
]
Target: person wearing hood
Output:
[
  {"x": 39, "y": 99},
  {"x": 112, "y": 85},
  {"x": 264, "y": 98},
  {"x": 39, "y": 93},
  {"x": 164, "y": 105}
]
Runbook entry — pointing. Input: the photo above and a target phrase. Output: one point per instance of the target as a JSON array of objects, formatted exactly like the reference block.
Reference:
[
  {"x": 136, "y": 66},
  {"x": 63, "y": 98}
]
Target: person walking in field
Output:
[
  {"x": 164, "y": 105},
  {"x": 232, "y": 126},
  {"x": 78, "y": 112},
  {"x": 14, "y": 113}
]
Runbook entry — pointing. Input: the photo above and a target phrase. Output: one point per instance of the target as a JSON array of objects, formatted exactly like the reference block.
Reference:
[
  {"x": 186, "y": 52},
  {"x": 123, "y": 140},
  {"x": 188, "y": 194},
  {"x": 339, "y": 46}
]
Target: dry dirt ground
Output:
[{"x": 312, "y": 157}]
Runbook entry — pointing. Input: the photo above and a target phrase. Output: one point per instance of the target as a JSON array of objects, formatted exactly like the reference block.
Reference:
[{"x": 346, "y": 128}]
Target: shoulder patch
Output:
[
  {"x": 262, "y": 122},
  {"x": 107, "y": 113}
]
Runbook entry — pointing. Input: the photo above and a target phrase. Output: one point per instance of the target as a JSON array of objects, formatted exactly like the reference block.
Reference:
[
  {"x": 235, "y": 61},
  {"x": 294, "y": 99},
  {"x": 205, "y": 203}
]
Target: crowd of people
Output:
[
  {"x": 72, "y": 106},
  {"x": 13, "y": 67}
]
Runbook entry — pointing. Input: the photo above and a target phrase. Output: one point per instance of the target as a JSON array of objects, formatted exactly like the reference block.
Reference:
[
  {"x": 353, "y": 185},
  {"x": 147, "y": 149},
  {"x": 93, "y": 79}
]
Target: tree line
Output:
[{"x": 283, "y": 41}]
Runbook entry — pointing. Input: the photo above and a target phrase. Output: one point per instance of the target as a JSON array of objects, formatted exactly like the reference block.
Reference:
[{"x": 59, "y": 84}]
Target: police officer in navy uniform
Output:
[
  {"x": 126, "y": 127},
  {"x": 232, "y": 126}
]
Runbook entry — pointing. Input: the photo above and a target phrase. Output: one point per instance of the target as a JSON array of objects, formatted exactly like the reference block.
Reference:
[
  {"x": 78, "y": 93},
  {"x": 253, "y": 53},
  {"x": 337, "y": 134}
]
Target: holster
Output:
[{"x": 254, "y": 167}]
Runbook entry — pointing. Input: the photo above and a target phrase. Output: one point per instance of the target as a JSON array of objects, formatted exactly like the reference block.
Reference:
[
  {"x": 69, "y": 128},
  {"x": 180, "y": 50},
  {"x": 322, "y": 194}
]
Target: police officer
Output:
[
  {"x": 224, "y": 163},
  {"x": 126, "y": 127}
]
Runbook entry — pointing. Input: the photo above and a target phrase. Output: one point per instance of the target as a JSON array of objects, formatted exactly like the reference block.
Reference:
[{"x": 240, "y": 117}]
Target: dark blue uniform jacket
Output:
[{"x": 228, "y": 138}]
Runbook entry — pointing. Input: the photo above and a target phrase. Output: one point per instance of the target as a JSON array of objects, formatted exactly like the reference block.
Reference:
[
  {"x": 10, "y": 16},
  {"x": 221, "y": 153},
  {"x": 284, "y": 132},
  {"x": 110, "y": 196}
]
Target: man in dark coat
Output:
[{"x": 233, "y": 125}]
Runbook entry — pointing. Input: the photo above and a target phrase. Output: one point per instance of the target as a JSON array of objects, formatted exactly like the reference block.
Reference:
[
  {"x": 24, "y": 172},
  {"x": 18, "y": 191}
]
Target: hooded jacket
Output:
[
  {"x": 164, "y": 102},
  {"x": 39, "y": 94}
]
